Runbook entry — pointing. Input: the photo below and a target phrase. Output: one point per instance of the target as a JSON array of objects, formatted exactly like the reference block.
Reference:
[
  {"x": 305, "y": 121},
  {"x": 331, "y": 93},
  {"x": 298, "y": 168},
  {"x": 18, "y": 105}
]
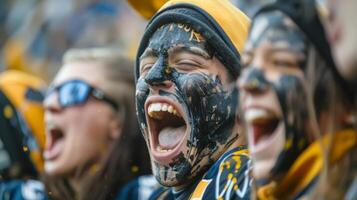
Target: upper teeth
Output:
[
  {"x": 157, "y": 107},
  {"x": 254, "y": 113}
]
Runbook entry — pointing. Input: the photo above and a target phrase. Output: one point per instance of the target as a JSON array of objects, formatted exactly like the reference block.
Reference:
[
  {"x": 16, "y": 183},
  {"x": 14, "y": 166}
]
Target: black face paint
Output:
[
  {"x": 276, "y": 29},
  {"x": 208, "y": 105}
]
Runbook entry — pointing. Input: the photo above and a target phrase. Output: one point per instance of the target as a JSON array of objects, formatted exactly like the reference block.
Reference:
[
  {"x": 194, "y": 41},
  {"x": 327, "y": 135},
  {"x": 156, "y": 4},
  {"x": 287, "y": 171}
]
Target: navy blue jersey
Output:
[
  {"x": 228, "y": 178},
  {"x": 22, "y": 190},
  {"x": 138, "y": 189}
]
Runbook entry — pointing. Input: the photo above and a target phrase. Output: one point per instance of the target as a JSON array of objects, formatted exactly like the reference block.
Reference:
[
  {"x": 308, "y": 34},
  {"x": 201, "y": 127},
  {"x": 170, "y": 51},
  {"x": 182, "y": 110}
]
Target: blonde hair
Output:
[
  {"x": 117, "y": 69},
  {"x": 111, "y": 58}
]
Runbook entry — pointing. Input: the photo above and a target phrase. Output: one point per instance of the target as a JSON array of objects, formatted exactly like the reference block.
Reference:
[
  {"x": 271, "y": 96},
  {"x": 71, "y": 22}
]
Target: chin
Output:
[
  {"x": 346, "y": 60},
  {"x": 262, "y": 168},
  {"x": 52, "y": 169},
  {"x": 167, "y": 183},
  {"x": 266, "y": 136},
  {"x": 347, "y": 67},
  {"x": 167, "y": 177},
  {"x": 58, "y": 168}
]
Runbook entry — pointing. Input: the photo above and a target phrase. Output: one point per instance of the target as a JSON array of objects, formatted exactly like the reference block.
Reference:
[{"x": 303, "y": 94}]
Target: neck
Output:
[
  {"x": 241, "y": 138},
  {"x": 80, "y": 177},
  {"x": 241, "y": 141},
  {"x": 76, "y": 184}
]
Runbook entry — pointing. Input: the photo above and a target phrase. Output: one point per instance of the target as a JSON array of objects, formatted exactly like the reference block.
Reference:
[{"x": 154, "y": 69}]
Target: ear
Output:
[{"x": 115, "y": 128}]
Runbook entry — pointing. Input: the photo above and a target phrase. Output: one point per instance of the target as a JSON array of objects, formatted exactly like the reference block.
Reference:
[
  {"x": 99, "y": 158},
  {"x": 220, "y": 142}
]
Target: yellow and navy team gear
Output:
[
  {"x": 22, "y": 133},
  {"x": 304, "y": 173},
  {"x": 228, "y": 178}
]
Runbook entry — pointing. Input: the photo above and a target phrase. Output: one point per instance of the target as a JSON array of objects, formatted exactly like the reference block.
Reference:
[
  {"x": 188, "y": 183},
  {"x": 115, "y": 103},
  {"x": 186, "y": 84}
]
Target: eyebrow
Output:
[
  {"x": 248, "y": 52},
  {"x": 283, "y": 49},
  {"x": 191, "y": 49},
  {"x": 149, "y": 52}
]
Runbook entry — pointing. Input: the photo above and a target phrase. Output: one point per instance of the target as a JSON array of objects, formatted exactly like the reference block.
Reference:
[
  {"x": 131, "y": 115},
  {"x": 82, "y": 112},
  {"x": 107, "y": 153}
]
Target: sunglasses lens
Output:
[{"x": 73, "y": 93}]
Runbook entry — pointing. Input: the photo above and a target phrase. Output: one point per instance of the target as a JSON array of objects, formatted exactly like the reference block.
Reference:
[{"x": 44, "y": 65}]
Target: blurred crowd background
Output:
[{"x": 34, "y": 34}]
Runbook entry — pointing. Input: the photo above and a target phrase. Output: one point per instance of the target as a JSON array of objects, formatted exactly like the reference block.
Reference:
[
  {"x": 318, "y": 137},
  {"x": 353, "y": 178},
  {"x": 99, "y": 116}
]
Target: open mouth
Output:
[
  {"x": 167, "y": 129},
  {"x": 54, "y": 142},
  {"x": 262, "y": 124}
]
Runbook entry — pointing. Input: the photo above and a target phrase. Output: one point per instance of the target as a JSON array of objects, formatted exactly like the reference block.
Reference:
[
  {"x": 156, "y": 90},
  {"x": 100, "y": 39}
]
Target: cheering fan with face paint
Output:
[
  {"x": 187, "y": 62},
  {"x": 285, "y": 39}
]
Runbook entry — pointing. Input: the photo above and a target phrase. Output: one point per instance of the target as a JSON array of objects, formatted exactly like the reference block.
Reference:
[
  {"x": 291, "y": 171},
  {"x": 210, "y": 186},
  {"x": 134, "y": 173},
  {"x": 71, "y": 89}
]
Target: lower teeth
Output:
[{"x": 160, "y": 149}]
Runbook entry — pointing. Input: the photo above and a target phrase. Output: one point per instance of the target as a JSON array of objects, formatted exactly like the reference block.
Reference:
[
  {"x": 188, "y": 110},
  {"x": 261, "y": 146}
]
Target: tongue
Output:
[
  {"x": 169, "y": 137},
  {"x": 54, "y": 150}
]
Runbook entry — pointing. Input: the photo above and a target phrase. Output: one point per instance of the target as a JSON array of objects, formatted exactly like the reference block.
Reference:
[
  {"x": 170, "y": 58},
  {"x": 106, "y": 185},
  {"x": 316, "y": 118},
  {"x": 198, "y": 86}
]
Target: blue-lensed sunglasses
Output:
[{"x": 76, "y": 92}]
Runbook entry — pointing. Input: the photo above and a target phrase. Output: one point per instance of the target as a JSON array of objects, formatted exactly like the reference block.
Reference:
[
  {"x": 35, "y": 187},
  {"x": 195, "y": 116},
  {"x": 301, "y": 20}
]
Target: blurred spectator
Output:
[
  {"x": 39, "y": 32},
  {"x": 93, "y": 144},
  {"x": 21, "y": 136},
  {"x": 342, "y": 31}
]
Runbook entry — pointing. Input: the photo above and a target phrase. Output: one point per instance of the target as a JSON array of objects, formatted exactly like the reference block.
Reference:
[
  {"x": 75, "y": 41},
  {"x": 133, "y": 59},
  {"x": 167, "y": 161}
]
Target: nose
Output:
[
  {"x": 253, "y": 81},
  {"x": 160, "y": 75},
  {"x": 51, "y": 103}
]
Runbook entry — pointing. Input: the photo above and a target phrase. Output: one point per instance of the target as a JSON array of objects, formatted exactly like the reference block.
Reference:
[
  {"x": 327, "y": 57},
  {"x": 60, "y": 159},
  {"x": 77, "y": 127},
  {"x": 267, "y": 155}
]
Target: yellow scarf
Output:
[{"x": 309, "y": 165}]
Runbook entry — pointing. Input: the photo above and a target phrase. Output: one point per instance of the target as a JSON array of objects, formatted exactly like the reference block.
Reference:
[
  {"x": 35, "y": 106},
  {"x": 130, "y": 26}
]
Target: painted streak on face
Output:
[
  {"x": 207, "y": 104},
  {"x": 279, "y": 33},
  {"x": 278, "y": 30}
]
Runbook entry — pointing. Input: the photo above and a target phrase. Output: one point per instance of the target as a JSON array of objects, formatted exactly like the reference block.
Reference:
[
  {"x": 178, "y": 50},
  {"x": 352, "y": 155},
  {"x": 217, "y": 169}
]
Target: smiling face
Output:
[
  {"x": 273, "y": 94},
  {"x": 76, "y": 138},
  {"x": 185, "y": 104}
]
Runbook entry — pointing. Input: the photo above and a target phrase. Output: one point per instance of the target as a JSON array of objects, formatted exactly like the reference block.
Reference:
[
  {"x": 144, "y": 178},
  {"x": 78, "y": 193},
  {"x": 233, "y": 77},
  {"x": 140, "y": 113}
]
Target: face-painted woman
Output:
[
  {"x": 186, "y": 99},
  {"x": 276, "y": 101},
  {"x": 272, "y": 87}
]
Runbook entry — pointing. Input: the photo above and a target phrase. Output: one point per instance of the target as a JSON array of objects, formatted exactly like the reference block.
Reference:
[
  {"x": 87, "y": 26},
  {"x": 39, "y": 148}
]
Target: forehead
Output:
[
  {"x": 174, "y": 34},
  {"x": 91, "y": 72},
  {"x": 276, "y": 28}
]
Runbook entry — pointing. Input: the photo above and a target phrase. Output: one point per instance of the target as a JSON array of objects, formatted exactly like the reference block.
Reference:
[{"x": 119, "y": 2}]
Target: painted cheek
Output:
[
  {"x": 142, "y": 92},
  {"x": 209, "y": 102},
  {"x": 291, "y": 92}
]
